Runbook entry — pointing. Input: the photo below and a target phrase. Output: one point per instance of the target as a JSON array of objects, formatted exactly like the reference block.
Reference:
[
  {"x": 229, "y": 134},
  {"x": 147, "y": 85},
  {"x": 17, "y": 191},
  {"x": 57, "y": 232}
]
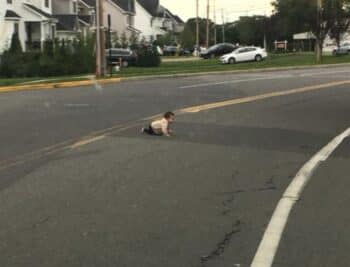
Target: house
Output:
[
  {"x": 71, "y": 24},
  {"x": 154, "y": 20},
  {"x": 122, "y": 13},
  {"x": 31, "y": 19}
]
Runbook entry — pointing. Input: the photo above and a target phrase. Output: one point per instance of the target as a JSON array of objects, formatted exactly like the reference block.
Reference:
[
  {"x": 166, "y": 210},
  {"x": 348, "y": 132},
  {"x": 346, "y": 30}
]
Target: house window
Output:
[
  {"x": 47, "y": 4},
  {"x": 9, "y": 2}
]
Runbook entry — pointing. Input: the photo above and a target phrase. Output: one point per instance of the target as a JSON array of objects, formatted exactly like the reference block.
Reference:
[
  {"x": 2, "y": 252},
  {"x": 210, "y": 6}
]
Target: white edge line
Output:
[{"x": 269, "y": 244}]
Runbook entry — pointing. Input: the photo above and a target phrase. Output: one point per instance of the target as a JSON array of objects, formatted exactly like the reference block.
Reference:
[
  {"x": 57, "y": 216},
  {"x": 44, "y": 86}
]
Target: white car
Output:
[{"x": 242, "y": 54}]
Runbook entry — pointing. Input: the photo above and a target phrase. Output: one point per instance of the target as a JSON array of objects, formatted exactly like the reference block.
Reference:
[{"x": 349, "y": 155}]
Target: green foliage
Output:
[
  {"x": 148, "y": 57},
  {"x": 57, "y": 58},
  {"x": 116, "y": 40},
  {"x": 133, "y": 41},
  {"x": 251, "y": 30},
  {"x": 188, "y": 36},
  {"x": 16, "y": 46},
  {"x": 124, "y": 41},
  {"x": 167, "y": 39}
]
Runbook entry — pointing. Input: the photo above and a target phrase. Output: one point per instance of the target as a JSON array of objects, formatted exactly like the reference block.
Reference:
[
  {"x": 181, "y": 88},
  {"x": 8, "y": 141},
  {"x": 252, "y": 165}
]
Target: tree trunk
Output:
[{"x": 318, "y": 50}]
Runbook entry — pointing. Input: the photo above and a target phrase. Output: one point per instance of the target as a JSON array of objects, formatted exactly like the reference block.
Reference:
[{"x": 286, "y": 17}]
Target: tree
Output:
[
  {"x": 124, "y": 41},
  {"x": 342, "y": 22},
  {"x": 116, "y": 40},
  {"x": 306, "y": 15},
  {"x": 133, "y": 41},
  {"x": 188, "y": 36},
  {"x": 250, "y": 30},
  {"x": 16, "y": 46}
]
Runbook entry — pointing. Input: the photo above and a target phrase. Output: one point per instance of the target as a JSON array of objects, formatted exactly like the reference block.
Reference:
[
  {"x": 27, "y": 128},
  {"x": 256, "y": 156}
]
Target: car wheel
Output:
[
  {"x": 258, "y": 58},
  {"x": 231, "y": 61}
]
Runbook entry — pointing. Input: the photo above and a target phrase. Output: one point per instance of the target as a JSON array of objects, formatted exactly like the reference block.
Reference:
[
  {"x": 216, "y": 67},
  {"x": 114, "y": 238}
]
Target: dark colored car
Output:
[
  {"x": 218, "y": 50},
  {"x": 127, "y": 57},
  {"x": 174, "y": 50}
]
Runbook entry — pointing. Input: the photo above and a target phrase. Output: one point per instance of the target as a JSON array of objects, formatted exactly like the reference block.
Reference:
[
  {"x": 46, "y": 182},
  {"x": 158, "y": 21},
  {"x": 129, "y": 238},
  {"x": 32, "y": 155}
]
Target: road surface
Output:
[{"x": 80, "y": 186}]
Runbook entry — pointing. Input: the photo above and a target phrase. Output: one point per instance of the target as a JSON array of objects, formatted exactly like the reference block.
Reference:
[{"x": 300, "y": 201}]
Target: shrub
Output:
[{"x": 147, "y": 57}]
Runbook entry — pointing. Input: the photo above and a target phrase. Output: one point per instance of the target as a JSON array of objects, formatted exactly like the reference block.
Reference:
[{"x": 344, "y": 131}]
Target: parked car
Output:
[
  {"x": 127, "y": 57},
  {"x": 171, "y": 50},
  {"x": 344, "y": 49},
  {"x": 243, "y": 54},
  {"x": 218, "y": 50}
]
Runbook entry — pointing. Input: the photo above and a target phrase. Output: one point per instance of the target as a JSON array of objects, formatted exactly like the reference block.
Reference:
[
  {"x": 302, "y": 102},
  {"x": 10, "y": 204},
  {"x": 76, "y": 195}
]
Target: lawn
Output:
[
  {"x": 196, "y": 66},
  {"x": 274, "y": 60}
]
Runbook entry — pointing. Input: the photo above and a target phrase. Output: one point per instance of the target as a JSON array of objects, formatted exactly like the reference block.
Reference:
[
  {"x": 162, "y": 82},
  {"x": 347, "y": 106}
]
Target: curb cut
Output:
[{"x": 58, "y": 85}]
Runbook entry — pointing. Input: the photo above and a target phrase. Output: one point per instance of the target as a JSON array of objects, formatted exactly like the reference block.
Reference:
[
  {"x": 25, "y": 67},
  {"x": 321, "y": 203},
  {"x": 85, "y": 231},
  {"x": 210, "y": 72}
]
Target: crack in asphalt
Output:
[{"x": 220, "y": 247}]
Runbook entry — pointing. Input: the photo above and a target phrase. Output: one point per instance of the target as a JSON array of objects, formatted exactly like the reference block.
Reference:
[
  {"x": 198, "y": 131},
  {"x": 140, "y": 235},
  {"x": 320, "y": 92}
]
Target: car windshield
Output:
[{"x": 174, "y": 133}]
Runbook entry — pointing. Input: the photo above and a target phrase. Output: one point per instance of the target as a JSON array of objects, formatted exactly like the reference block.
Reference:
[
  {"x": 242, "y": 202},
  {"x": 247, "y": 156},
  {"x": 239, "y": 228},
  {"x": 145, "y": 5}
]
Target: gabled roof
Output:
[
  {"x": 39, "y": 11},
  {"x": 151, "y": 6},
  {"x": 86, "y": 19},
  {"x": 90, "y": 3},
  {"x": 178, "y": 19},
  {"x": 11, "y": 14},
  {"x": 126, "y": 5},
  {"x": 67, "y": 22}
]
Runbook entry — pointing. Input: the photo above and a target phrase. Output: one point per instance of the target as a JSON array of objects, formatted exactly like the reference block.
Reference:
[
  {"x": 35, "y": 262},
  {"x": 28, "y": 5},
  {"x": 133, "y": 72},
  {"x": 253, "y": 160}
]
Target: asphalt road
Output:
[{"x": 202, "y": 198}]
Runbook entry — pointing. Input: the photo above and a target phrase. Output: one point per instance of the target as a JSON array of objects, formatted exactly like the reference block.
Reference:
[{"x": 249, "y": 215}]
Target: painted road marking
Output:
[
  {"x": 268, "y": 246},
  {"x": 87, "y": 141},
  {"x": 38, "y": 154},
  {"x": 235, "y": 81},
  {"x": 248, "y": 99}
]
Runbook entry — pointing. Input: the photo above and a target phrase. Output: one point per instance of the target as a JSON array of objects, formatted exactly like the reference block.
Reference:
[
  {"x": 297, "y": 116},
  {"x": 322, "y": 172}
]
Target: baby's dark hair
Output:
[{"x": 168, "y": 114}]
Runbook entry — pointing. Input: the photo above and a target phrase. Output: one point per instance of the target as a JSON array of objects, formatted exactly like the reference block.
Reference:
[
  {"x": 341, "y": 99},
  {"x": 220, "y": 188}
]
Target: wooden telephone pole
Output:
[
  {"x": 318, "y": 44},
  {"x": 208, "y": 13},
  {"x": 197, "y": 25},
  {"x": 215, "y": 33},
  {"x": 100, "y": 41}
]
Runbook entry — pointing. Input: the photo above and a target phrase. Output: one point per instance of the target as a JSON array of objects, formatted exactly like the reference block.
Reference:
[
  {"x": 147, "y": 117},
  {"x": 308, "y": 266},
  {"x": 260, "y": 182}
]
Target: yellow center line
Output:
[{"x": 248, "y": 99}]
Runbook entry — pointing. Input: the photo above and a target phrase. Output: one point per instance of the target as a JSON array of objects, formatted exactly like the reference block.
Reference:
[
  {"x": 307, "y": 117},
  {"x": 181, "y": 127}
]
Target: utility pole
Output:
[
  {"x": 215, "y": 34},
  {"x": 223, "y": 25},
  {"x": 265, "y": 30},
  {"x": 100, "y": 41},
  {"x": 208, "y": 12},
  {"x": 318, "y": 44},
  {"x": 197, "y": 25}
]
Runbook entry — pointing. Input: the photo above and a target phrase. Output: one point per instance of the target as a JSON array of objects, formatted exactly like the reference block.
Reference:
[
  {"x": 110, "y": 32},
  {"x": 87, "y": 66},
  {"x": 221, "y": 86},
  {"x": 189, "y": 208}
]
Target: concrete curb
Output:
[
  {"x": 58, "y": 85},
  {"x": 48, "y": 86}
]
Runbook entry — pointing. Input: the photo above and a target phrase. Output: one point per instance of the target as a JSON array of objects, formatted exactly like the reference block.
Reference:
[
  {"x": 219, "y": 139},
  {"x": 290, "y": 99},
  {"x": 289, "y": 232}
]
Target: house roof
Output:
[
  {"x": 90, "y": 3},
  {"x": 126, "y": 5},
  {"x": 39, "y": 11},
  {"x": 11, "y": 14},
  {"x": 85, "y": 18},
  {"x": 151, "y": 6},
  {"x": 67, "y": 22},
  {"x": 178, "y": 19},
  {"x": 156, "y": 10}
]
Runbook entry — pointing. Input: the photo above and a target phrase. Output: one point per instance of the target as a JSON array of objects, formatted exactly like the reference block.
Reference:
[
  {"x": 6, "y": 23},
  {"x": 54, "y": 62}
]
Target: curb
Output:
[{"x": 58, "y": 85}]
